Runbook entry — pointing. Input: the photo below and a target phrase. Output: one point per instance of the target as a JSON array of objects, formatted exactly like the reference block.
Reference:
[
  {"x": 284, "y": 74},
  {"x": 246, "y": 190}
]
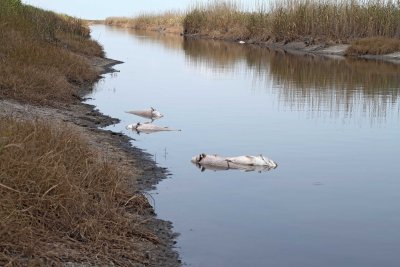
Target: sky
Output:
[{"x": 100, "y": 9}]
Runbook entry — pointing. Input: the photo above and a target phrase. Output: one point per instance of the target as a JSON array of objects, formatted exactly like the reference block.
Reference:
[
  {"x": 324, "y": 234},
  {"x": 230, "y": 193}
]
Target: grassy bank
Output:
[
  {"x": 61, "y": 201},
  {"x": 43, "y": 55},
  {"x": 62, "y": 198},
  {"x": 169, "y": 21},
  {"x": 305, "y": 20},
  {"x": 356, "y": 22}
]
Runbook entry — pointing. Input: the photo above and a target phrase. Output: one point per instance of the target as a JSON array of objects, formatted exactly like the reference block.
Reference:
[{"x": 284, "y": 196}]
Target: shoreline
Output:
[
  {"x": 298, "y": 46},
  {"x": 301, "y": 47},
  {"x": 144, "y": 173}
]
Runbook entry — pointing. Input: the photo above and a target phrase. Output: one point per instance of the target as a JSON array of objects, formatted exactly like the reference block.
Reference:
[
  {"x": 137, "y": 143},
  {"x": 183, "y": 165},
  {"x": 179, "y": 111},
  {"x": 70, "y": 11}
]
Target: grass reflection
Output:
[
  {"x": 338, "y": 87},
  {"x": 322, "y": 86}
]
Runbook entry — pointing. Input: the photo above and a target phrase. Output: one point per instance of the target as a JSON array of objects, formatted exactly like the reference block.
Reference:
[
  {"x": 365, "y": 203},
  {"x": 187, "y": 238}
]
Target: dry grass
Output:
[
  {"x": 320, "y": 20},
  {"x": 313, "y": 21},
  {"x": 218, "y": 19},
  {"x": 336, "y": 20},
  {"x": 168, "y": 21},
  {"x": 42, "y": 54},
  {"x": 61, "y": 202},
  {"x": 374, "y": 46}
]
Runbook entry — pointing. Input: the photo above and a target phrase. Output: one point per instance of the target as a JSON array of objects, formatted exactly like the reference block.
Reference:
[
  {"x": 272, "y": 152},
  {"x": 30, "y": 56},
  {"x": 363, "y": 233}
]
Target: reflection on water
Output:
[
  {"x": 335, "y": 88},
  {"x": 310, "y": 83},
  {"x": 330, "y": 122},
  {"x": 169, "y": 41},
  {"x": 148, "y": 128}
]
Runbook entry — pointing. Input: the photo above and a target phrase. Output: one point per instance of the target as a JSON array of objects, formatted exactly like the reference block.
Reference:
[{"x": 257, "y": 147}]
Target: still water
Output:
[{"x": 332, "y": 125}]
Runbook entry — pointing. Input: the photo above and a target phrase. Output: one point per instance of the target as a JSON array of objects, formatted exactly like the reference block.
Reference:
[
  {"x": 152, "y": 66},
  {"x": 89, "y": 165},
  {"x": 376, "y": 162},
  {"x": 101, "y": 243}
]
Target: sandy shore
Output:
[{"x": 143, "y": 172}]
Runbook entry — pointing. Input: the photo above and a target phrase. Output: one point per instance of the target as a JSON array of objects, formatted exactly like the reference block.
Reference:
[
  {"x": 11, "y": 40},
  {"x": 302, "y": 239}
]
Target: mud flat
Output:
[{"x": 143, "y": 172}]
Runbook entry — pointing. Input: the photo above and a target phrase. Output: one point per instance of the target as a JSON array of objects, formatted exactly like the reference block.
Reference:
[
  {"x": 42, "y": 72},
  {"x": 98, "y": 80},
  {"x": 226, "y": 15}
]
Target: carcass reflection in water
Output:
[{"x": 148, "y": 127}]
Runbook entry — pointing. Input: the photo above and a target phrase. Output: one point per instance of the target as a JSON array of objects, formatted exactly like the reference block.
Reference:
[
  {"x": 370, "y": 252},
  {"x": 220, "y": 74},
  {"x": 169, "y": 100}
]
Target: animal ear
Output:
[{"x": 152, "y": 109}]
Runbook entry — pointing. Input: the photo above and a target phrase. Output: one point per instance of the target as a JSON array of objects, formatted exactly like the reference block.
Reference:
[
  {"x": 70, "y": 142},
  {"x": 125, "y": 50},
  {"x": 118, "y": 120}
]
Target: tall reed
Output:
[
  {"x": 336, "y": 20},
  {"x": 171, "y": 20},
  {"x": 328, "y": 20},
  {"x": 223, "y": 19}
]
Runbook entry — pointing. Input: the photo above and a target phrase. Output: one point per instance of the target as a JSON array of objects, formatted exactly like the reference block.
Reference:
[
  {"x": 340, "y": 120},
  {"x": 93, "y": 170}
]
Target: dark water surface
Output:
[{"x": 332, "y": 125}]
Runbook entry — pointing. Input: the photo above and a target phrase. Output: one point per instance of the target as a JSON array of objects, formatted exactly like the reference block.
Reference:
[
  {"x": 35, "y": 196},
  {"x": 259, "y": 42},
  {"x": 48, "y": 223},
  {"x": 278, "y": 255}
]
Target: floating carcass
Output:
[
  {"x": 151, "y": 113},
  {"x": 148, "y": 127},
  {"x": 245, "y": 163}
]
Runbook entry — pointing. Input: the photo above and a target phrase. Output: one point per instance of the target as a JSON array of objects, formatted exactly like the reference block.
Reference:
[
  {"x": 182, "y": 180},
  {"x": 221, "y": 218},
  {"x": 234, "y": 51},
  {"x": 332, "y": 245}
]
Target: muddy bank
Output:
[
  {"x": 299, "y": 46},
  {"x": 303, "y": 47},
  {"x": 143, "y": 173}
]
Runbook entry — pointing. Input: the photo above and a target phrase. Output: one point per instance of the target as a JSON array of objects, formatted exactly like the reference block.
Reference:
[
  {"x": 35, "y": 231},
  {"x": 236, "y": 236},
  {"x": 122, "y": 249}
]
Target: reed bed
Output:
[
  {"x": 169, "y": 20},
  {"x": 311, "y": 21},
  {"x": 336, "y": 20},
  {"x": 61, "y": 201},
  {"x": 222, "y": 19},
  {"x": 325, "y": 20},
  {"x": 43, "y": 54}
]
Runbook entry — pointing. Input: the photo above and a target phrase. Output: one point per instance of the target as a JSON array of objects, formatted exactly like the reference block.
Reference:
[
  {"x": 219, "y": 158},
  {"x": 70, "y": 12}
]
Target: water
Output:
[{"x": 332, "y": 125}]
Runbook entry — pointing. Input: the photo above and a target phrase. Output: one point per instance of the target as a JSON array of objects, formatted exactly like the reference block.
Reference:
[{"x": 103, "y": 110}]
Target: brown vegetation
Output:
[
  {"x": 169, "y": 21},
  {"x": 61, "y": 201},
  {"x": 42, "y": 54},
  {"x": 311, "y": 21},
  {"x": 324, "y": 20},
  {"x": 374, "y": 46}
]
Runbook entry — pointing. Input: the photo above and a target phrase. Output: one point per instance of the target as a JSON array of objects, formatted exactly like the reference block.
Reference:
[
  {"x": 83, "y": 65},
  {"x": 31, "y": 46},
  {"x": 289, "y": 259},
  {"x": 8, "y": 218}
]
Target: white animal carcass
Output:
[
  {"x": 246, "y": 163},
  {"x": 253, "y": 161},
  {"x": 149, "y": 113}
]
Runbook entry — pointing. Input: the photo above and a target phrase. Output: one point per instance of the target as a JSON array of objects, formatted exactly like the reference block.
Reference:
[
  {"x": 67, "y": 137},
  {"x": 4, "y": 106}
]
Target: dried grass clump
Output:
[
  {"x": 374, "y": 46},
  {"x": 42, "y": 54},
  {"x": 169, "y": 20},
  {"x": 60, "y": 202},
  {"x": 216, "y": 19},
  {"x": 290, "y": 20},
  {"x": 336, "y": 20}
]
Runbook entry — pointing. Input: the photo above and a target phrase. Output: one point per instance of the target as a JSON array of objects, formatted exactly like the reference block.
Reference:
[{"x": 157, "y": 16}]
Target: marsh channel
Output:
[{"x": 331, "y": 124}]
